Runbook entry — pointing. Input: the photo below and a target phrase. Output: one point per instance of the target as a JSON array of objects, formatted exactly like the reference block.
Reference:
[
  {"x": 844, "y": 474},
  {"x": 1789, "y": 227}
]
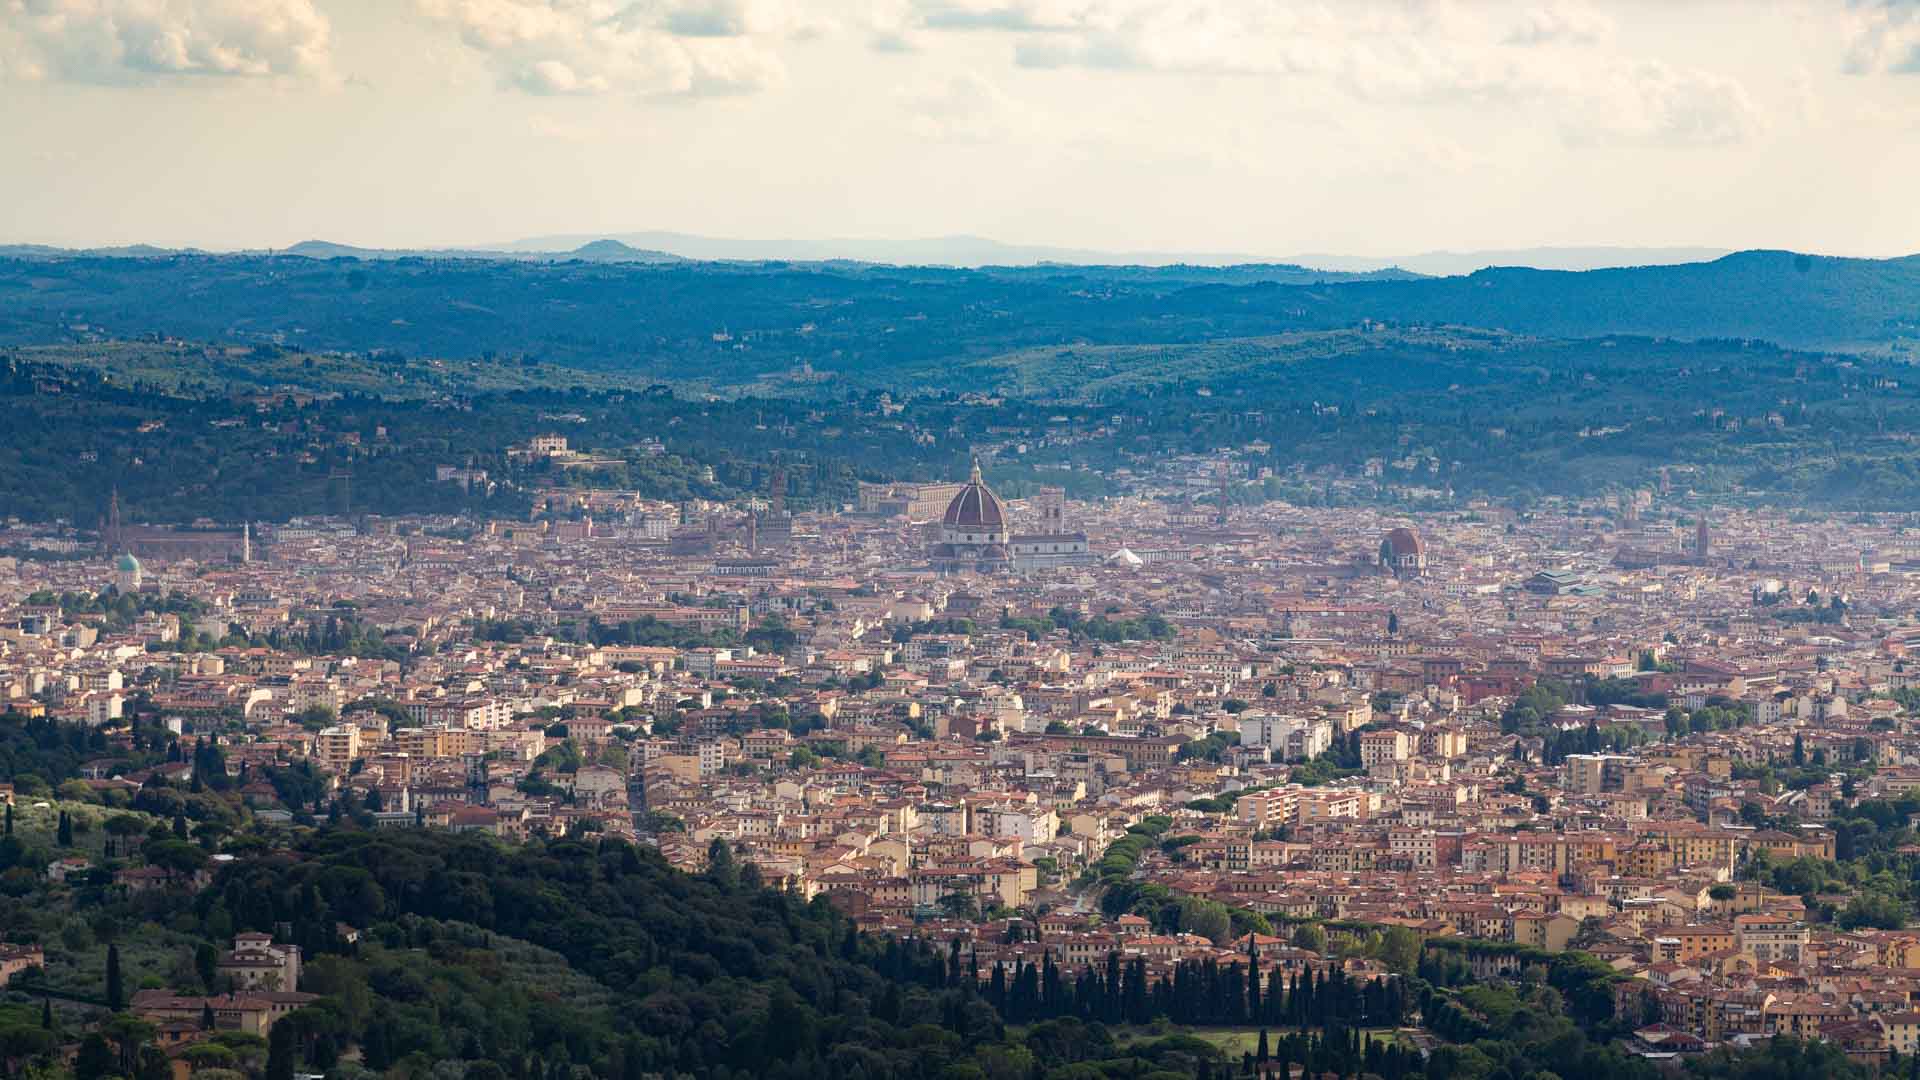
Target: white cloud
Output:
[
  {"x": 1651, "y": 102},
  {"x": 1033, "y": 16},
  {"x": 1885, "y": 38},
  {"x": 1540, "y": 59},
  {"x": 893, "y": 41},
  {"x": 1562, "y": 22},
  {"x": 138, "y": 41},
  {"x": 967, "y": 108},
  {"x": 691, "y": 48},
  {"x": 543, "y": 126}
]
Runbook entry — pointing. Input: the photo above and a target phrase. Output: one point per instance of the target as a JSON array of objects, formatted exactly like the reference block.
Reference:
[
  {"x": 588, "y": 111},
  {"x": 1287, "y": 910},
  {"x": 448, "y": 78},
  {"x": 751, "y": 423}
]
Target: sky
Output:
[{"x": 1364, "y": 127}]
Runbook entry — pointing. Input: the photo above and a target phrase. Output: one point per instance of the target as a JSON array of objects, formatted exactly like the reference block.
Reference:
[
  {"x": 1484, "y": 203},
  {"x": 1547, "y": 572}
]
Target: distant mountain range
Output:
[
  {"x": 601, "y": 250},
  {"x": 982, "y": 251},
  {"x": 1453, "y": 263},
  {"x": 963, "y": 251},
  {"x": 128, "y": 251}
]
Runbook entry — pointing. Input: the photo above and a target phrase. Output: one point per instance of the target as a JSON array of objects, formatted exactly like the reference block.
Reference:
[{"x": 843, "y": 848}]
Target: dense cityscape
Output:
[
  {"x": 959, "y": 540},
  {"x": 1152, "y": 735}
]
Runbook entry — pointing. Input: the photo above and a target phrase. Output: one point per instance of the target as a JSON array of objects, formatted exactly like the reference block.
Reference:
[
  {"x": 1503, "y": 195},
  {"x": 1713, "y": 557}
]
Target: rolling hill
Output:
[{"x": 730, "y": 323}]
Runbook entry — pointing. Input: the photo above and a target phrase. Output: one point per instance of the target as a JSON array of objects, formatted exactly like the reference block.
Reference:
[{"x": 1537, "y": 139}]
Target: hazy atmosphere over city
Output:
[{"x": 959, "y": 540}]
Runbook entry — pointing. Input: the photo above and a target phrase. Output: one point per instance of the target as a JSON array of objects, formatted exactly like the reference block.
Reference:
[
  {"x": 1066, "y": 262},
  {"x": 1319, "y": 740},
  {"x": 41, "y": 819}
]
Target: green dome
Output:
[{"x": 127, "y": 563}]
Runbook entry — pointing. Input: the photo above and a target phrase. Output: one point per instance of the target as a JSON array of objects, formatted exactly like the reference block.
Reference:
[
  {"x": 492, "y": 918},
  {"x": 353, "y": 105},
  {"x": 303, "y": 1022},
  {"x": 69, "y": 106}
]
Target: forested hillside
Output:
[
  {"x": 730, "y": 323},
  {"x": 1480, "y": 414}
]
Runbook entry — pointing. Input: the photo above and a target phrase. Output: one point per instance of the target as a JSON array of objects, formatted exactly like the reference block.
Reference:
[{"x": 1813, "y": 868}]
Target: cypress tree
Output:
[
  {"x": 66, "y": 829},
  {"x": 116, "y": 998},
  {"x": 206, "y": 964},
  {"x": 1253, "y": 980},
  {"x": 280, "y": 1052},
  {"x": 375, "y": 1048}
]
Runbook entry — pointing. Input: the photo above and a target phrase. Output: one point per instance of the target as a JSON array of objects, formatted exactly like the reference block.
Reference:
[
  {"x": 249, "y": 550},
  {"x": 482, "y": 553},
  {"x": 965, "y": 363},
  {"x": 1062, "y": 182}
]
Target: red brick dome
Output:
[{"x": 976, "y": 507}]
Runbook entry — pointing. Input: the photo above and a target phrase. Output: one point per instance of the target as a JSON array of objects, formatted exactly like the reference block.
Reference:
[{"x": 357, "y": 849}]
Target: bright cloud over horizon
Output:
[{"x": 1255, "y": 126}]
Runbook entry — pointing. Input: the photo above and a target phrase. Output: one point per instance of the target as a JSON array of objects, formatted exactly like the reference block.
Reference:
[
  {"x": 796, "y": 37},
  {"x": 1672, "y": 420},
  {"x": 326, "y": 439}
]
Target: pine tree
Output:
[
  {"x": 1260, "y": 1055},
  {"x": 96, "y": 1059},
  {"x": 153, "y": 1065}
]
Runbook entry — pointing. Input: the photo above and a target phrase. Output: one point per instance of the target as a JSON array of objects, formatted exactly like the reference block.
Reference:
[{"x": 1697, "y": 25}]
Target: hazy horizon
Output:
[
  {"x": 1371, "y": 129},
  {"x": 970, "y": 250}
]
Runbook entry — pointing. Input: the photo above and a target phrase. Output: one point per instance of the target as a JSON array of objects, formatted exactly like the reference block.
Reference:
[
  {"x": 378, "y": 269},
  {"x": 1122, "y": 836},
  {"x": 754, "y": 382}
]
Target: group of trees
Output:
[
  {"x": 1340, "y": 761},
  {"x": 711, "y": 974},
  {"x": 1100, "y": 628},
  {"x": 118, "y": 609},
  {"x": 338, "y": 634},
  {"x": 1871, "y": 865},
  {"x": 1718, "y": 714},
  {"x": 1532, "y": 707},
  {"x": 1197, "y": 992}
]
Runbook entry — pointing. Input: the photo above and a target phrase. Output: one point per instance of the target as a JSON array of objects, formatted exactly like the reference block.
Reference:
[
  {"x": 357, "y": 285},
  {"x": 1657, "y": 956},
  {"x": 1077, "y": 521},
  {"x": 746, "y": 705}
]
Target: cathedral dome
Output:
[
  {"x": 1403, "y": 543},
  {"x": 976, "y": 507},
  {"x": 1403, "y": 553}
]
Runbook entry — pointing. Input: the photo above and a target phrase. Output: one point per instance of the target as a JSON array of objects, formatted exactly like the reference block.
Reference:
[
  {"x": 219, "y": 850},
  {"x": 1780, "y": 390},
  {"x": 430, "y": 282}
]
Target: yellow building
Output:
[{"x": 336, "y": 747}]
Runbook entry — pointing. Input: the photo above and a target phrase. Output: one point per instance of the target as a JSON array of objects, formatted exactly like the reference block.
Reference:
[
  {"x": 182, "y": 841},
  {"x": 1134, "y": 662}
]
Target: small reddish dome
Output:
[{"x": 976, "y": 507}]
